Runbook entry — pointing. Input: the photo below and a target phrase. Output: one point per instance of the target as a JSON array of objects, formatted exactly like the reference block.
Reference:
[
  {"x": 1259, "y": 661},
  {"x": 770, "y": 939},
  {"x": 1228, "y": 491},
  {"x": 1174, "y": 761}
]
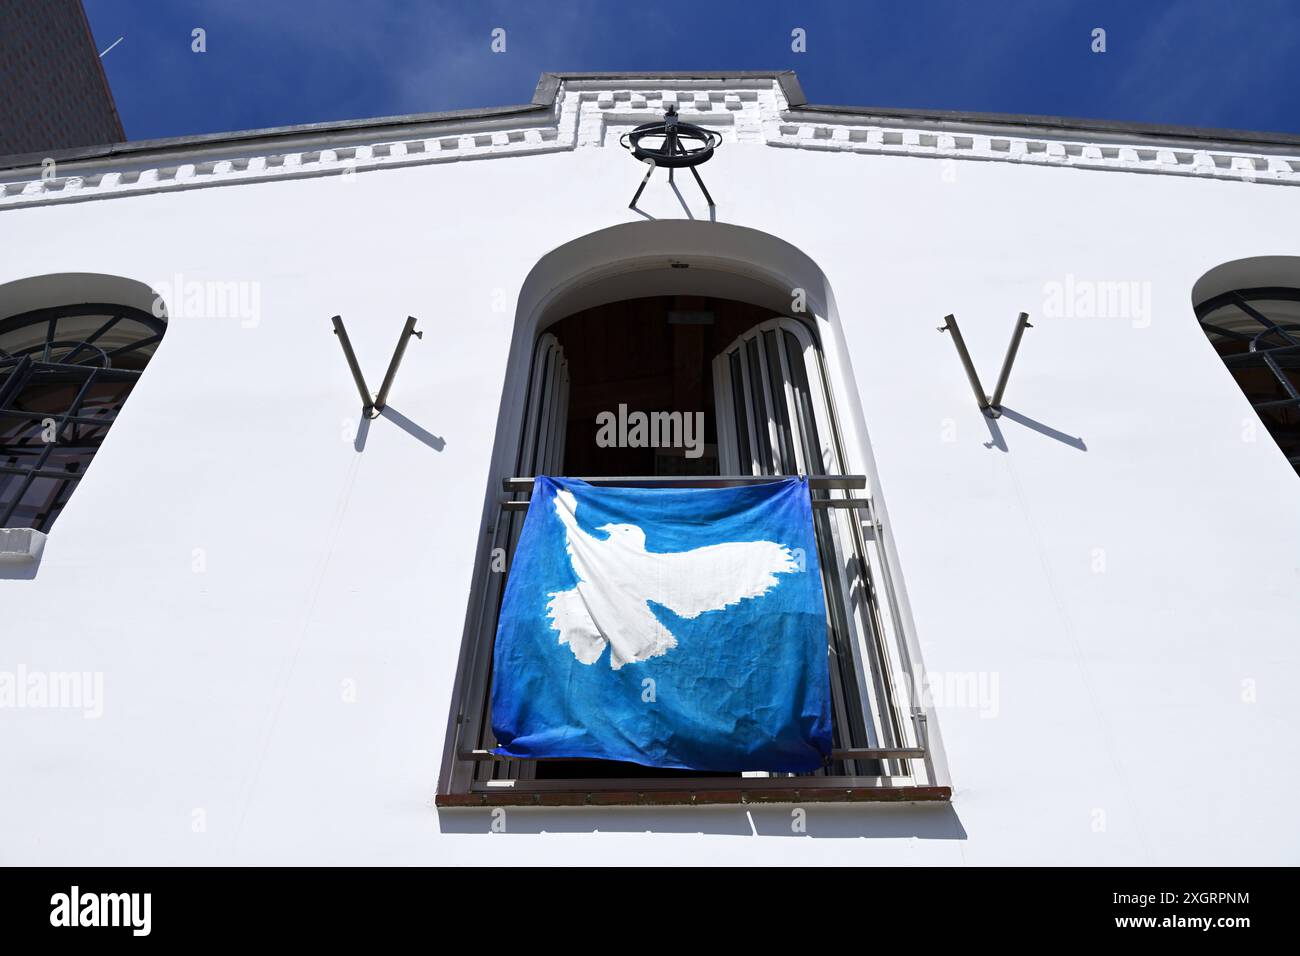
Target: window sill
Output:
[{"x": 21, "y": 546}]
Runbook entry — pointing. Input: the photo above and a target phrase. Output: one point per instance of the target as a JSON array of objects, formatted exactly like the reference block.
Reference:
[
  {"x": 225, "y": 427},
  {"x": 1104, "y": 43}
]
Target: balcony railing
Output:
[{"x": 898, "y": 765}]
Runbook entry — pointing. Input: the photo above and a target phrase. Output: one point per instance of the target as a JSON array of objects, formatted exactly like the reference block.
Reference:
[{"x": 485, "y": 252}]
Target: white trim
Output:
[{"x": 590, "y": 114}]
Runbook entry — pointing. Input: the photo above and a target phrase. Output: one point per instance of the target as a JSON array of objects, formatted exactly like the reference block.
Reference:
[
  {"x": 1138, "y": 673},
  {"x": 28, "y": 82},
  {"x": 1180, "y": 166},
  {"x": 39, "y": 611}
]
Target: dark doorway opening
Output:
[{"x": 651, "y": 355}]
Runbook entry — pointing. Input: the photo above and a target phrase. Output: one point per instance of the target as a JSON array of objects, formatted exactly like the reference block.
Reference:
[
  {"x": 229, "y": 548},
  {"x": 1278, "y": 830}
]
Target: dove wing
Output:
[
  {"x": 565, "y": 507},
  {"x": 689, "y": 583}
]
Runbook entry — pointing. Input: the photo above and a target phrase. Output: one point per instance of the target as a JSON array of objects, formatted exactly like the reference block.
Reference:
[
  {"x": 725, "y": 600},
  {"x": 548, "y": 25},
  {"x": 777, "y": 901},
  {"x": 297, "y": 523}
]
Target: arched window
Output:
[
  {"x": 1257, "y": 333},
  {"x": 65, "y": 373}
]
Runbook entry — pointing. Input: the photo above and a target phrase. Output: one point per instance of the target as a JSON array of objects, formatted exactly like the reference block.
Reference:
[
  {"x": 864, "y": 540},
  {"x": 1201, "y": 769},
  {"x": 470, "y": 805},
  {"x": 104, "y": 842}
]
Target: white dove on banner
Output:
[{"x": 617, "y": 577}]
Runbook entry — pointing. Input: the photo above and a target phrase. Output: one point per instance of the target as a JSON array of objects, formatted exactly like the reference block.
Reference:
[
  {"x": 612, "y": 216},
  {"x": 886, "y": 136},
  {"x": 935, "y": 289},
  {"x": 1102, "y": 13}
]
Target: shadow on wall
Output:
[
  {"x": 425, "y": 437},
  {"x": 713, "y": 211},
  {"x": 817, "y": 820},
  {"x": 1000, "y": 443}
]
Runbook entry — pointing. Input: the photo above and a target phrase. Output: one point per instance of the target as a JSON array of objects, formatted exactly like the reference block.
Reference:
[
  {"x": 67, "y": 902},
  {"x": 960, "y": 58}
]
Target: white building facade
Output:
[{"x": 258, "y": 629}]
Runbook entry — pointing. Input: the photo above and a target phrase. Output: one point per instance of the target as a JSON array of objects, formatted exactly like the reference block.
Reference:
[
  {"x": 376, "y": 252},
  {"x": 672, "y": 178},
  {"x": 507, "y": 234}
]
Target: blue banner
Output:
[{"x": 667, "y": 627}]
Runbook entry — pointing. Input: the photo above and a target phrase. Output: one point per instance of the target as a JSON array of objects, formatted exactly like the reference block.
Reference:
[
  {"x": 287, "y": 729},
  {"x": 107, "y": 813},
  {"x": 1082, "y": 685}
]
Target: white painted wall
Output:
[{"x": 1120, "y": 693}]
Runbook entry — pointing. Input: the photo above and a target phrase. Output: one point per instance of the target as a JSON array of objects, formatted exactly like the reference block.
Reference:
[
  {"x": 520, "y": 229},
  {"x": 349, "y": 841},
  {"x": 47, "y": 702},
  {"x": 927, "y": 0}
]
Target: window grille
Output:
[
  {"x": 64, "y": 376},
  {"x": 1257, "y": 333}
]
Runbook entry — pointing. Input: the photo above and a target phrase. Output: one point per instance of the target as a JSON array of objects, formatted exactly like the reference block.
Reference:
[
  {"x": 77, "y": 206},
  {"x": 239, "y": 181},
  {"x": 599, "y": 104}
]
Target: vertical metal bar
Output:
[
  {"x": 776, "y": 457},
  {"x": 407, "y": 331},
  {"x": 1281, "y": 376},
  {"x": 950, "y": 325},
  {"x": 545, "y": 407},
  {"x": 41, "y": 459},
  {"x": 797, "y": 426},
  {"x": 15, "y": 381},
  {"x": 1022, "y": 323},
  {"x": 10, "y": 391},
  {"x": 49, "y": 336},
  {"x": 64, "y": 489},
  {"x": 726, "y": 424},
  {"x": 366, "y": 403},
  {"x": 561, "y": 429},
  {"x": 704, "y": 189},
  {"x": 648, "y": 173},
  {"x": 526, "y": 460},
  {"x": 747, "y": 394}
]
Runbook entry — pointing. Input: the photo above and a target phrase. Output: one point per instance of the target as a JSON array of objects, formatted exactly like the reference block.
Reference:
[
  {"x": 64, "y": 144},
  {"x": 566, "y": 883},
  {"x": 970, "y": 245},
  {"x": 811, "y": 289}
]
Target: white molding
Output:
[{"x": 591, "y": 113}]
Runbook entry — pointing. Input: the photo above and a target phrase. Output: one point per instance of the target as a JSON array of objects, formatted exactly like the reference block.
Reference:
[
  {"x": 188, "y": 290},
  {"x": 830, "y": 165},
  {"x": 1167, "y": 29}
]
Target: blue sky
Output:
[{"x": 1211, "y": 63}]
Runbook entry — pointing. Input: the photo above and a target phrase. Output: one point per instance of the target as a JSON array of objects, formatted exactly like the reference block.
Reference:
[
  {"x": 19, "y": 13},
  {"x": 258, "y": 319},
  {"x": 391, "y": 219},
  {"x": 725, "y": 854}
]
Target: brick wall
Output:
[{"x": 53, "y": 93}]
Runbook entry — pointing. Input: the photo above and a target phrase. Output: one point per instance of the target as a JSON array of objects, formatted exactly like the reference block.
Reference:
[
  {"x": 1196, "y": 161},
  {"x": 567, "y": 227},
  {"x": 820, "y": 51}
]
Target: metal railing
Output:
[{"x": 815, "y": 482}]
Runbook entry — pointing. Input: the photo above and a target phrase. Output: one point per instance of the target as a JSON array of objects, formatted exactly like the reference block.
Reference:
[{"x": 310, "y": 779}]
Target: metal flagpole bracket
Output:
[
  {"x": 372, "y": 407},
  {"x": 381, "y": 400},
  {"x": 989, "y": 405},
  {"x": 366, "y": 403}
]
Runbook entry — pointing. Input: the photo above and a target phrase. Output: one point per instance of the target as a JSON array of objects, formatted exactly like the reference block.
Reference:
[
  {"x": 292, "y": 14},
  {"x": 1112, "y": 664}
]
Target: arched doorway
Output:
[{"x": 727, "y": 338}]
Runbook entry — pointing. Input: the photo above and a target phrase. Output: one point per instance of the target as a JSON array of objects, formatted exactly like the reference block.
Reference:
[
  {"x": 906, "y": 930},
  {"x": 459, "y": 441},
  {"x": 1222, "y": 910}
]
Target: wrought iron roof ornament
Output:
[{"x": 673, "y": 145}]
